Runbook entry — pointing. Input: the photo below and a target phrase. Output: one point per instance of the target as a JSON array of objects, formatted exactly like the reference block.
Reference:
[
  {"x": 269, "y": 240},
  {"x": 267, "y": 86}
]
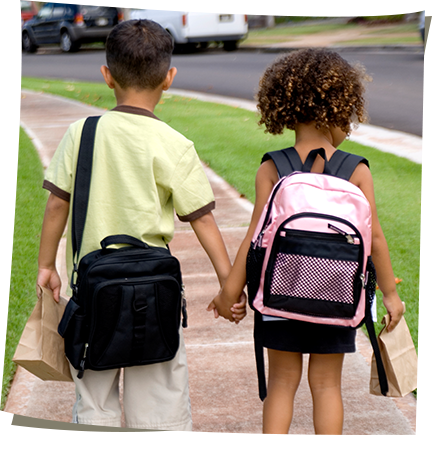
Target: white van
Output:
[{"x": 191, "y": 29}]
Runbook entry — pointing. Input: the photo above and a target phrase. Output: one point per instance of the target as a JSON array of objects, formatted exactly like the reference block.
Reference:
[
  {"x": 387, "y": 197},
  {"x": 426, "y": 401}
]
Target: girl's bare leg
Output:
[
  {"x": 285, "y": 372},
  {"x": 324, "y": 377}
]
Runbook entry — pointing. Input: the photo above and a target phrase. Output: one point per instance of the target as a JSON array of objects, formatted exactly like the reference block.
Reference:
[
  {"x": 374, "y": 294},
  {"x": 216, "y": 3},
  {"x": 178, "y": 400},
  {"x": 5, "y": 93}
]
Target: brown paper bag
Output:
[
  {"x": 399, "y": 359},
  {"x": 41, "y": 350}
]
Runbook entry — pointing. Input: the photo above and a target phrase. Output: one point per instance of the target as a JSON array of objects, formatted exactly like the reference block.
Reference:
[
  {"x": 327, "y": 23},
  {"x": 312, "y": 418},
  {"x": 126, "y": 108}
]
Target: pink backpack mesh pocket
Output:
[{"x": 320, "y": 279}]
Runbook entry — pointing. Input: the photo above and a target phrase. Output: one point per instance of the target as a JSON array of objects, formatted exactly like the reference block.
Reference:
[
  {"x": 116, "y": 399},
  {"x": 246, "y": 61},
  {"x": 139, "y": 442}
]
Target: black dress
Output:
[{"x": 304, "y": 337}]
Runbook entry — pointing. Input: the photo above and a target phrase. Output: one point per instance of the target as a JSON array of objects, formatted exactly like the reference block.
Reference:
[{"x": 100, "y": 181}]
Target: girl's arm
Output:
[
  {"x": 224, "y": 302},
  {"x": 379, "y": 250}
]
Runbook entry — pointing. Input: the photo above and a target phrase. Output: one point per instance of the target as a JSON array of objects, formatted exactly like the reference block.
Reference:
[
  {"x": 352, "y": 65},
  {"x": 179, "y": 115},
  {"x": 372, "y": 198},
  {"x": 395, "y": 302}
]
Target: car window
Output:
[
  {"x": 14, "y": 6},
  {"x": 46, "y": 11},
  {"x": 58, "y": 11}
]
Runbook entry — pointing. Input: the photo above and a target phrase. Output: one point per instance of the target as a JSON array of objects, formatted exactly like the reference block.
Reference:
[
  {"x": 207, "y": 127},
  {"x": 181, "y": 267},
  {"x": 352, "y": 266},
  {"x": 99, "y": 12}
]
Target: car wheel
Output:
[
  {"x": 27, "y": 44},
  {"x": 185, "y": 48},
  {"x": 230, "y": 46},
  {"x": 67, "y": 44}
]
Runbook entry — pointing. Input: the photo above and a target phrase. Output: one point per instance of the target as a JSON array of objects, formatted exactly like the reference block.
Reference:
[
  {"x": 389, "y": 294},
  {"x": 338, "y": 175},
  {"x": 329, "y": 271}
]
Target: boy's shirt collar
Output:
[{"x": 135, "y": 110}]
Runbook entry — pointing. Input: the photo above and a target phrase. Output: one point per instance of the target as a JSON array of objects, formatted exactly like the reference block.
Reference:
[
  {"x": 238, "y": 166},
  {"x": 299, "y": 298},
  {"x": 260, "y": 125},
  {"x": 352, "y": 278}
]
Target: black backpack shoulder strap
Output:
[
  {"x": 286, "y": 161},
  {"x": 259, "y": 354},
  {"x": 82, "y": 185},
  {"x": 342, "y": 164}
]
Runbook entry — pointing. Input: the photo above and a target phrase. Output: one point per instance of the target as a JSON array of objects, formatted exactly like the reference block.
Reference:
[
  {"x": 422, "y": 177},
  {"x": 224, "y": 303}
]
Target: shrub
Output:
[
  {"x": 302, "y": 14},
  {"x": 388, "y": 13}
]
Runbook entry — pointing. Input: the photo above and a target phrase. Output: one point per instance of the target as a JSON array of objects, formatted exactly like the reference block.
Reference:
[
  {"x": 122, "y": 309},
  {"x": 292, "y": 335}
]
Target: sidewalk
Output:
[{"x": 223, "y": 383}]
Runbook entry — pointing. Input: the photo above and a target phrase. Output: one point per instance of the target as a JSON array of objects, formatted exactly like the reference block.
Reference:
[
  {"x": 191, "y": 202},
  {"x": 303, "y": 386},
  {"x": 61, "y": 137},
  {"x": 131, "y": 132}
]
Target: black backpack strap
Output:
[
  {"x": 286, "y": 161},
  {"x": 308, "y": 164},
  {"x": 82, "y": 186},
  {"x": 383, "y": 382},
  {"x": 342, "y": 164},
  {"x": 259, "y": 354}
]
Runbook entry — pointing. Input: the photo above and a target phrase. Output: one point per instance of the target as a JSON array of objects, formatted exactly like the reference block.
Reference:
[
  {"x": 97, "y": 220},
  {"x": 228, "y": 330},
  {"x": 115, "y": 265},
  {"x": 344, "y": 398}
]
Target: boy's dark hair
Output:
[
  {"x": 312, "y": 85},
  {"x": 139, "y": 54}
]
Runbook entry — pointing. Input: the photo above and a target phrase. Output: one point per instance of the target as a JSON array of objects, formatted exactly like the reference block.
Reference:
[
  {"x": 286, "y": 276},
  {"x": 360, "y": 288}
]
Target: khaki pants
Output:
[{"x": 155, "y": 397}]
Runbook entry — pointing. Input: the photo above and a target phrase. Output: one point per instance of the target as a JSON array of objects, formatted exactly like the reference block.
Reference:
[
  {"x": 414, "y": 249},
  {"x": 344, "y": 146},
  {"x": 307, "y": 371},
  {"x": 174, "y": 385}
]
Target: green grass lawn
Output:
[
  {"x": 29, "y": 210},
  {"x": 231, "y": 142},
  {"x": 391, "y": 34}
]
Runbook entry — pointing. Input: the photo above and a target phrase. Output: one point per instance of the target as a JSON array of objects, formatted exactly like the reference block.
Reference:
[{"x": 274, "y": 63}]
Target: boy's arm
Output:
[
  {"x": 212, "y": 242},
  {"x": 53, "y": 226}
]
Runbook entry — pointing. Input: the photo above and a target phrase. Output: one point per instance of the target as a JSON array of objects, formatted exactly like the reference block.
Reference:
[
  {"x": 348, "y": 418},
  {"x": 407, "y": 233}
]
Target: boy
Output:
[{"x": 142, "y": 170}]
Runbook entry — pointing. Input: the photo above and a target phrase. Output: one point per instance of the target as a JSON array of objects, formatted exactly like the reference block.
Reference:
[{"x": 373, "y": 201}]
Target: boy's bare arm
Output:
[
  {"x": 212, "y": 242},
  {"x": 53, "y": 226}
]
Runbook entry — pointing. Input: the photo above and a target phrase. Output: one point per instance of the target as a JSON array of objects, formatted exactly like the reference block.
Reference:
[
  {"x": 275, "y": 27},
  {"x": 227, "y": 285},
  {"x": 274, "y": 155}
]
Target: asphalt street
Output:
[{"x": 395, "y": 96}]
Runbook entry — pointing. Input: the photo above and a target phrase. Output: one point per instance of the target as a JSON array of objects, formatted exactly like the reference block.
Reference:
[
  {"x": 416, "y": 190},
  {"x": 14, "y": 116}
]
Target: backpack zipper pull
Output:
[
  {"x": 259, "y": 240},
  {"x": 349, "y": 237},
  {"x": 82, "y": 363}
]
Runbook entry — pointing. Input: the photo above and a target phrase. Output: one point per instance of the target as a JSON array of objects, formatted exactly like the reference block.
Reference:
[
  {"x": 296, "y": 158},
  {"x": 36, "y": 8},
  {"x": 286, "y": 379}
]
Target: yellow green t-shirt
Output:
[{"x": 142, "y": 171}]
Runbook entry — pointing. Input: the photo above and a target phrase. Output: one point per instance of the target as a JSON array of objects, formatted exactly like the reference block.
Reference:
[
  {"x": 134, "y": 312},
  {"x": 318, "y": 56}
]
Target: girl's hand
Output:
[
  {"x": 395, "y": 309},
  {"x": 239, "y": 309}
]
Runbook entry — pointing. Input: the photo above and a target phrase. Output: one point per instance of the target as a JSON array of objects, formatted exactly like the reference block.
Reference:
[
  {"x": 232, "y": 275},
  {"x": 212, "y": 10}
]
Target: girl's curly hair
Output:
[{"x": 312, "y": 85}]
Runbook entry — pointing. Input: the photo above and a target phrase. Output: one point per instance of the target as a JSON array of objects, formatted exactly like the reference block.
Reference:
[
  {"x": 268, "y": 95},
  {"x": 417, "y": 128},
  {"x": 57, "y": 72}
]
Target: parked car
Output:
[
  {"x": 191, "y": 29},
  {"x": 13, "y": 15},
  {"x": 69, "y": 25}
]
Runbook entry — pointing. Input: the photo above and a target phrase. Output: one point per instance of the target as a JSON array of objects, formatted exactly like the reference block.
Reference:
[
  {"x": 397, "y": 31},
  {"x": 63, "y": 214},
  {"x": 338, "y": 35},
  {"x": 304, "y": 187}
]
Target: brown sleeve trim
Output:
[
  {"x": 56, "y": 191},
  {"x": 197, "y": 214}
]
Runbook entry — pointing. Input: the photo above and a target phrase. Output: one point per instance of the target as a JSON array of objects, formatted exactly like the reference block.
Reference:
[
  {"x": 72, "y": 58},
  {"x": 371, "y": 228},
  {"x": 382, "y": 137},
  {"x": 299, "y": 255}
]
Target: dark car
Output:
[
  {"x": 13, "y": 15},
  {"x": 69, "y": 25}
]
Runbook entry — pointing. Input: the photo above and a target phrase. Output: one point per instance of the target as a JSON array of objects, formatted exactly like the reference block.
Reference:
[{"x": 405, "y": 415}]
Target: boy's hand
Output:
[
  {"x": 222, "y": 306},
  {"x": 49, "y": 278}
]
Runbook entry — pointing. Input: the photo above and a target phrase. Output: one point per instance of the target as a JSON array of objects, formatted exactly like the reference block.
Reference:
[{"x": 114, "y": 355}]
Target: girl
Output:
[{"x": 319, "y": 95}]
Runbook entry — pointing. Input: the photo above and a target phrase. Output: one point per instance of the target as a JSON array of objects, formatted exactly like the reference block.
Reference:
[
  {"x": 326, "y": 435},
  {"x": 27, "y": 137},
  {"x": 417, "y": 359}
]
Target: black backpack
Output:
[{"x": 126, "y": 304}]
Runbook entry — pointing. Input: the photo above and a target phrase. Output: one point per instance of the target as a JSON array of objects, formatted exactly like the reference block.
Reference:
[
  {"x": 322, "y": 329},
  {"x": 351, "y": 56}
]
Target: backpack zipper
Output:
[{"x": 348, "y": 236}]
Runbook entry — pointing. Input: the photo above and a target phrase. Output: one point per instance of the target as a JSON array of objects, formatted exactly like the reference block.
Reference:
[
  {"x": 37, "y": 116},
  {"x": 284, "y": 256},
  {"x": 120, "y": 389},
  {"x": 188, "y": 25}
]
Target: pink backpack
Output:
[{"x": 309, "y": 259}]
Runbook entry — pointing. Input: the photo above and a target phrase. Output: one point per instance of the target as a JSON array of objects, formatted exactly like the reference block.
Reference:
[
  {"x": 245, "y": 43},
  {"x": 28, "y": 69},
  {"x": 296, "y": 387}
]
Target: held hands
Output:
[
  {"x": 223, "y": 306},
  {"x": 49, "y": 278}
]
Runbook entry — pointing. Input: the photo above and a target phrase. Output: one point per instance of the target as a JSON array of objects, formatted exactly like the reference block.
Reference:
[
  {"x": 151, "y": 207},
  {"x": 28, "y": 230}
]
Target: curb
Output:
[
  {"x": 397, "y": 142},
  {"x": 278, "y": 48}
]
